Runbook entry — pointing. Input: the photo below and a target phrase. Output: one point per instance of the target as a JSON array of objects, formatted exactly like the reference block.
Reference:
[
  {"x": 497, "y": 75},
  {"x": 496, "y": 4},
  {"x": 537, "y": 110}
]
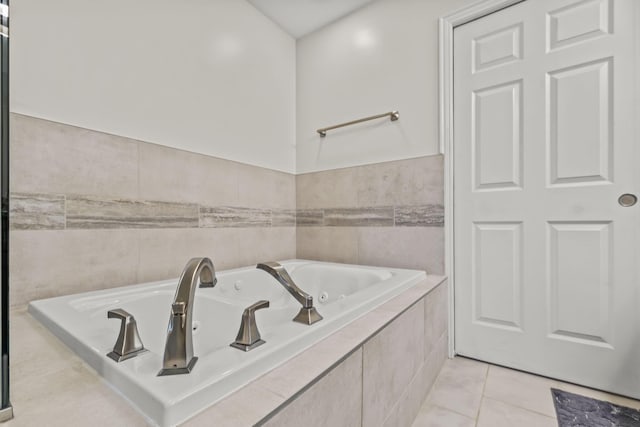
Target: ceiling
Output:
[{"x": 301, "y": 17}]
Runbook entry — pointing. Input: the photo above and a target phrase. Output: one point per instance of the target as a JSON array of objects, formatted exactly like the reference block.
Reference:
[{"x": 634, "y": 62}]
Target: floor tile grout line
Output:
[
  {"x": 433, "y": 387},
  {"x": 520, "y": 407},
  {"x": 484, "y": 386},
  {"x": 449, "y": 410},
  {"x": 479, "y": 409},
  {"x": 510, "y": 403}
]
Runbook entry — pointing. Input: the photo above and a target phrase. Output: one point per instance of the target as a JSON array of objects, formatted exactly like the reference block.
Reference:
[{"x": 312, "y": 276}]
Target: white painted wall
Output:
[
  {"x": 210, "y": 76},
  {"x": 300, "y": 17},
  {"x": 382, "y": 57}
]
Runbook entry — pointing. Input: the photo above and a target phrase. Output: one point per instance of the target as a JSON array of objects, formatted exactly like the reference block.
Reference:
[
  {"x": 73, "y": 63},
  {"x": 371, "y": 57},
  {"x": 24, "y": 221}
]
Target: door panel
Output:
[
  {"x": 577, "y": 22},
  {"x": 580, "y": 135},
  {"x": 579, "y": 281},
  {"x": 497, "y": 274},
  {"x": 497, "y": 48},
  {"x": 497, "y": 140},
  {"x": 545, "y": 136}
]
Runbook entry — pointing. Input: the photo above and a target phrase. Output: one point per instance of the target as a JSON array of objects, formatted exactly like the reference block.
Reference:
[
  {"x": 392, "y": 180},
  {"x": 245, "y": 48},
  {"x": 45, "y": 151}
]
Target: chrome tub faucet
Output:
[
  {"x": 178, "y": 349},
  {"x": 308, "y": 313}
]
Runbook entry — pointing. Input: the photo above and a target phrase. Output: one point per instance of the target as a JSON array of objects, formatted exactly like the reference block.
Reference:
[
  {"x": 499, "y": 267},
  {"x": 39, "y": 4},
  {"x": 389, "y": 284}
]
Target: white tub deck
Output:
[{"x": 341, "y": 293}]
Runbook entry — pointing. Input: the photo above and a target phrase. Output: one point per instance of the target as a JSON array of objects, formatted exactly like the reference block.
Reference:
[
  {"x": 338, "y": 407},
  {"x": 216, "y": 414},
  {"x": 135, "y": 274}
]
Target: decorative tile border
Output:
[
  {"x": 58, "y": 212},
  {"x": 386, "y": 216},
  {"x": 359, "y": 217},
  {"x": 90, "y": 213},
  {"x": 228, "y": 216},
  {"x": 37, "y": 212},
  {"x": 283, "y": 217},
  {"x": 307, "y": 217},
  {"x": 419, "y": 216}
]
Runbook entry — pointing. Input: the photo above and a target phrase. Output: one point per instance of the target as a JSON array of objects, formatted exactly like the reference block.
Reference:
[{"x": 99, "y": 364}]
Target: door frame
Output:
[{"x": 447, "y": 24}]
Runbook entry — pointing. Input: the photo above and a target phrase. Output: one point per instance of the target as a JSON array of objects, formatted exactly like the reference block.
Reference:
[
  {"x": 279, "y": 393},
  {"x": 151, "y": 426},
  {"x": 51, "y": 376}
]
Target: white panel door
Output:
[{"x": 545, "y": 136}]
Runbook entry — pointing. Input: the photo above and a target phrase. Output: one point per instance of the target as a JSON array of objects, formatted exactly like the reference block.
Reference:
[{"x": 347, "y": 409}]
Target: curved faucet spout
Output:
[
  {"x": 178, "y": 349},
  {"x": 280, "y": 274},
  {"x": 308, "y": 313}
]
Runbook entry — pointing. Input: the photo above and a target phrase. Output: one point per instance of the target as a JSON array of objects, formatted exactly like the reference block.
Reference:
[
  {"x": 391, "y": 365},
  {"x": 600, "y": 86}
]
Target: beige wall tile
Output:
[
  {"x": 334, "y": 244},
  {"x": 321, "y": 406},
  {"x": 265, "y": 244},
  {"x": 403, "y": 182},
  {"x": 436, "y": 316},
  {"x": 60, "y": 262},
  {"x": 409, "y": 404},
  {"x": 390, "y": 361},
  {"x": 413, "y": 188},
  {"x": 304, "y": 368},
  {"x": 245, "y": 407},
  {"x": 164, "y": 253},
  {"x": 329, "y": 189},
  {"x": 265, "y": 188},
  {"x": 180, "y": 176},
  {"x": 435, "y": 360},
  {"x": 420, "y": 248},
  {"x": 48, "y": 157},
  {"x": 498, "y": 414}
]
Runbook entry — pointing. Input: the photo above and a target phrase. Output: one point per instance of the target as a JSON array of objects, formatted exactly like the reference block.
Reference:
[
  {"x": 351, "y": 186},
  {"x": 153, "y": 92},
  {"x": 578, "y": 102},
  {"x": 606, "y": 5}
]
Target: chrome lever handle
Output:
[
  {"x": 248, "y": 336},
  {"x": 128, "y": 344}
]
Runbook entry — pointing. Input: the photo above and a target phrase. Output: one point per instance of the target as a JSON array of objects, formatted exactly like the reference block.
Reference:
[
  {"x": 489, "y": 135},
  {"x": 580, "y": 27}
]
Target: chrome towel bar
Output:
[{"x": 393, "y": 115}]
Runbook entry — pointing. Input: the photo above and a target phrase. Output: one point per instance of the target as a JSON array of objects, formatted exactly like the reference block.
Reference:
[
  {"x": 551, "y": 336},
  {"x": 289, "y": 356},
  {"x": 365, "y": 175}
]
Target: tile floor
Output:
[{"x": 468, "y": 393}]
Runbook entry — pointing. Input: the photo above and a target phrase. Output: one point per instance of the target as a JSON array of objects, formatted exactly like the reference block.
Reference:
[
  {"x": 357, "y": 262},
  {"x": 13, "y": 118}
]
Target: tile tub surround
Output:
[
  {"x": 131, "y": 212},
  {"x": 340, "y": 360},
  {"x": 381, "y": 214},
  {"x": 99, "y": 211}
]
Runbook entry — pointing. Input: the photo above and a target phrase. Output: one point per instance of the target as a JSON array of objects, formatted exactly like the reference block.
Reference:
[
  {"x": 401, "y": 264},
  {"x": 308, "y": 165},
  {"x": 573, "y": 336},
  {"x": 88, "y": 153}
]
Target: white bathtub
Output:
[{"x": 341, "y": 294}]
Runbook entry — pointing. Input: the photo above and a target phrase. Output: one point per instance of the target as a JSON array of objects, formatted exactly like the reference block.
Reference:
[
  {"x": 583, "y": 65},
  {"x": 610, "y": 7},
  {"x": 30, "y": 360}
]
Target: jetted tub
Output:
[{"x": 341, "y": 294}]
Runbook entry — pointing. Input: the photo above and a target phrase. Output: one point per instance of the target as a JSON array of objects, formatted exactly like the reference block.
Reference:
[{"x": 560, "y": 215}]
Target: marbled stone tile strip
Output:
[
  {"x": 228, "y": 216},
  {"x": 359, "y": 217},
  {"x": 91, "y": 213},
  {"x": 575, "y": 410},
  {"x": 309, "y": 217},
  {"x": 37, "y": 211},
  {"x": 419, "y": 216},
  {"x": 283, "y": 217}
]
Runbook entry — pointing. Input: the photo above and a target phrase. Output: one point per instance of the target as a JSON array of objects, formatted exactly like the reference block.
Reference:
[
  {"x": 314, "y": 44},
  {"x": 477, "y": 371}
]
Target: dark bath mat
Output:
[{"x": 575, "y": 410}]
